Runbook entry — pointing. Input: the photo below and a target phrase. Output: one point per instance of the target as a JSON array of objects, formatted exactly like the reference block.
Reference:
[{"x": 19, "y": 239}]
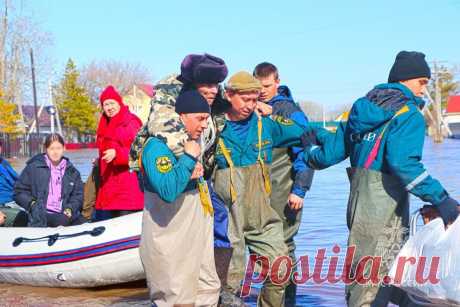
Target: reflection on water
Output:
[{"x": 323, "y": 226}]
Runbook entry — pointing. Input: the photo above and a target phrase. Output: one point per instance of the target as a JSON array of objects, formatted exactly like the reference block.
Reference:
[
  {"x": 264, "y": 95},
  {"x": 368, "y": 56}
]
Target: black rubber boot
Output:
[{"x": 222, "y": 258}]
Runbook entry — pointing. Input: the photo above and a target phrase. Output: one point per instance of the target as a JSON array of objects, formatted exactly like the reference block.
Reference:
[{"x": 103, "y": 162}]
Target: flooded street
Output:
[
  {"x": 133, "y": 294},
  {"x": 323, "y": 226}
]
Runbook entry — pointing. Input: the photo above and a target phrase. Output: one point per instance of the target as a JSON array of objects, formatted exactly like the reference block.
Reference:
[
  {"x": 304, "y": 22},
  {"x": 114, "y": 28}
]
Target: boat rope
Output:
[{"x": 54, "y": 237}]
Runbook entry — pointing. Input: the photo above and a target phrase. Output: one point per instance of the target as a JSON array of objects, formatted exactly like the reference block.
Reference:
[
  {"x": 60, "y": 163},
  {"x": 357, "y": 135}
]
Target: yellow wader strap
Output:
[
  {"x": 205, "y": 197},
  {"x": 229, "y": 160},
  {"x": 268, "y": 187}
]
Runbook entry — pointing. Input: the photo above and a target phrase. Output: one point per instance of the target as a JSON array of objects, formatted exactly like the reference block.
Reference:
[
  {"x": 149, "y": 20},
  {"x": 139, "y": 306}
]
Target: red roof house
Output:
[
  {"x": 148, "y": 89},
  {"x": 453, "y": 104}
]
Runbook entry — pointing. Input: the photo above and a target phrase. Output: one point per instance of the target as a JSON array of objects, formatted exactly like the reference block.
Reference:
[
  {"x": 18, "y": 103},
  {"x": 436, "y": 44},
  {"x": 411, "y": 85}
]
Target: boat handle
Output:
[{"x": 54, "y": 237}]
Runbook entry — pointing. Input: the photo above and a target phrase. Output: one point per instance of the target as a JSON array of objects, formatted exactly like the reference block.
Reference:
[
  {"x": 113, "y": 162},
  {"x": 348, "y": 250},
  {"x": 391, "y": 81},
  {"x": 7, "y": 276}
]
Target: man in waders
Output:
[
  {"x": 242, "y": 180},
  {"x": 177, "y": 228},
  {"x": 290, "y": 177},
  {"x": 384, "y": 139}
]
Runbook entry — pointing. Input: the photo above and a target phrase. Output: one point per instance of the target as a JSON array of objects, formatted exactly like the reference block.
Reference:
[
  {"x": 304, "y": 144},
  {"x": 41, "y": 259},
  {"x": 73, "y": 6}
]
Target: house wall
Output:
[{"x": 139, "y": 104}]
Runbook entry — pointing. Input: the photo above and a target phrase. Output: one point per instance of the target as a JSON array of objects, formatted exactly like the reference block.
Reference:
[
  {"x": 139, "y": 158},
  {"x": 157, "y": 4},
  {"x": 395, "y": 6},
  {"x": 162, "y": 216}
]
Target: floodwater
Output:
[{"x": 323, "y": 226}]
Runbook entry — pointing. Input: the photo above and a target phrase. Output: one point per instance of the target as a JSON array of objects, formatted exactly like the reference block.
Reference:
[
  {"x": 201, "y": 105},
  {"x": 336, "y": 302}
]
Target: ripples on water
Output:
[{"x": 323, "y": 226}]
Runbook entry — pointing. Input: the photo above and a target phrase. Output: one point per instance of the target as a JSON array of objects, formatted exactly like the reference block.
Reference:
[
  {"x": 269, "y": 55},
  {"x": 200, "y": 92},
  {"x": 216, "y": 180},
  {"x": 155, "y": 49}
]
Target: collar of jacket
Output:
[
  {"x": 107, "y": 125},
  {"x": 227, "y": 131},
  {"x": 40, "y": 161},
  {"x": 419, "y": 102},
  {"x": 284, "y": 93}
]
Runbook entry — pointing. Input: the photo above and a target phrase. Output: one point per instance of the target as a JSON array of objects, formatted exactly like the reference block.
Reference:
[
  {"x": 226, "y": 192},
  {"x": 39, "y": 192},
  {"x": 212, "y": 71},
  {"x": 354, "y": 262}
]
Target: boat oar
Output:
[{"x": 54, "y": 237}]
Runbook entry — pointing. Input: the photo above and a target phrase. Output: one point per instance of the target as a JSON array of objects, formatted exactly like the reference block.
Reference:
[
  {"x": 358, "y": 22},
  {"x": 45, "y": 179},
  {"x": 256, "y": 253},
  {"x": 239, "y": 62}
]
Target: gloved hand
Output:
[
  {"x": 308, "y": 139},
  {"x": 448, "y": 209},
  {"x": 429, "y": 213}
]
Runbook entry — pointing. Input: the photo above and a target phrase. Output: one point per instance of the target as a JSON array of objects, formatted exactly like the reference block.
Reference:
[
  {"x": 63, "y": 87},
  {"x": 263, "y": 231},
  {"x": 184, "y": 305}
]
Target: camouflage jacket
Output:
[{"x": 164, "y": 123}]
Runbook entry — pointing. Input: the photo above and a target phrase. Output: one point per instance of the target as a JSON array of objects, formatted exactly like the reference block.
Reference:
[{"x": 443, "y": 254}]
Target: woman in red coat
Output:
[{"x": 119, "y": 192}]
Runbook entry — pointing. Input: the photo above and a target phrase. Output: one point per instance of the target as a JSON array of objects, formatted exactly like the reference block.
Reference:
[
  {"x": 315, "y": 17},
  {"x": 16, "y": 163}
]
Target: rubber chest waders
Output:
[
  {"x": 231, "y": 165},
  {"x": 377, "y": 218}
]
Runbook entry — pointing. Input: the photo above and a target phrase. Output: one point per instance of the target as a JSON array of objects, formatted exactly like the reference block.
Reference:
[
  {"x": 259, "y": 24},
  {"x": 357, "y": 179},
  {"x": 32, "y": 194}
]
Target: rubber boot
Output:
[{"x": 222, "y": 258}]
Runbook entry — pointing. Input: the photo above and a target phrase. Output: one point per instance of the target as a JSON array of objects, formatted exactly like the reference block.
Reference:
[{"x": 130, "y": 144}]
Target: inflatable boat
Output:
[{"x": 88, "y": 255}]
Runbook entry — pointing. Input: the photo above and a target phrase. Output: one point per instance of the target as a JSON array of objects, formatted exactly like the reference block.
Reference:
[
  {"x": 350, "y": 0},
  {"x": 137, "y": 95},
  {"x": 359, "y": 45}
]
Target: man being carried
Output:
[{"x": 203, "y": 73}]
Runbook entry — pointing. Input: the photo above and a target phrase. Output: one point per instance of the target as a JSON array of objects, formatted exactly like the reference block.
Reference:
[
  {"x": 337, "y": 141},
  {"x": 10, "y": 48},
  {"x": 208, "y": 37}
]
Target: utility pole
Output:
[
  {"x": 58, "y": 120},
  {"x": 34, "y": 88},
  {"x": 3, "y": 34},
  {"x": 324, "y": 116},
  {"x": 437, "y": 137}
]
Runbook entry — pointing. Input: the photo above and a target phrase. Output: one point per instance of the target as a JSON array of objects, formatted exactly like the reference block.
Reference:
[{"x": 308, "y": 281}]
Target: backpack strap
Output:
[{"x": 375, "y": 149}]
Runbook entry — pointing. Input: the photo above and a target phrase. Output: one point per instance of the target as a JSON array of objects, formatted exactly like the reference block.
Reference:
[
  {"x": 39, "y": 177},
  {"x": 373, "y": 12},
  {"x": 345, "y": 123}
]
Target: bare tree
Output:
[
  {"x": 3, "y": 34},
  {"x": 316, "y": 111},
  {"x": 20, "y": 33},
  {"x": 313, "y": 110},
  {"x": 448, "y": 82},
  {"x": 456, "y": 72},
  {"x": 96, "y": 75}
]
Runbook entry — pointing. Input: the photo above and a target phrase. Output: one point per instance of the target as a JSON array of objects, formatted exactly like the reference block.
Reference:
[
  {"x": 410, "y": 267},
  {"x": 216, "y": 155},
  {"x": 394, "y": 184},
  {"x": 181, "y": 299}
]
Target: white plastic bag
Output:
[{"x": 431, "y": 241}]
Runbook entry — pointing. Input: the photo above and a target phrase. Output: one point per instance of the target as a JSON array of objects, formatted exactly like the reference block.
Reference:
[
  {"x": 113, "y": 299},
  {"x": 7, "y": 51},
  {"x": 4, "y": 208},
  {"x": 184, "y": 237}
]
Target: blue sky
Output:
[{"x": 330, "y": 52}]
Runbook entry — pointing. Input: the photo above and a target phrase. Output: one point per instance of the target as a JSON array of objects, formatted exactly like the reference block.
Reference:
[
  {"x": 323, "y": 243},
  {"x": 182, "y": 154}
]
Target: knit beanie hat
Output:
[
  {"x": 192, "y": 101},
  {"x": 409, "y": 65}
]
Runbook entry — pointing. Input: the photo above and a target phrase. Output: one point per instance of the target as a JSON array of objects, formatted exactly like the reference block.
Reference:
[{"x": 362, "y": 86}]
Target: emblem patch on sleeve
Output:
[
  {"x": 282, "y": 120},
  {"x": 163, "y": 164}
]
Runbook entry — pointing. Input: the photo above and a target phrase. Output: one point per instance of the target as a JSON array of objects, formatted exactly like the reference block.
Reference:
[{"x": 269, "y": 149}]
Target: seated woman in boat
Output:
[
  {"x": 119, "y": 192},
  {"x": 10, "y": 214},
  {"x": 50, "y": 187}
]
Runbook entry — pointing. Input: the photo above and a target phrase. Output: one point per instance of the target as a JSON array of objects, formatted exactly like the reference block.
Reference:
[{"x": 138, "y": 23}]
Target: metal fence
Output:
[{"x": 21, "y": 145}]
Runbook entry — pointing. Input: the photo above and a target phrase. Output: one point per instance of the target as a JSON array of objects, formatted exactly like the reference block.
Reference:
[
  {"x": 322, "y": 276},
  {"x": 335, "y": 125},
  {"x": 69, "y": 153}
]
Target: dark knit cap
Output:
[
  {"x": 192, "y": 102},
  {"x": 409, "y": 65},
  {"x": 202, "y": 68}
]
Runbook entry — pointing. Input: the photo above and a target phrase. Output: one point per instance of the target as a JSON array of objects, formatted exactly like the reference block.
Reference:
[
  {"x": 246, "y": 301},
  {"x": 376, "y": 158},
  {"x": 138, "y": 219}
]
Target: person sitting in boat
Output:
[
  {"x": 10, "y": 215},
  {"x": 119, "y": 192},
  {"x": 50, "y": 188},
  {"x": 177, "y": 228}
]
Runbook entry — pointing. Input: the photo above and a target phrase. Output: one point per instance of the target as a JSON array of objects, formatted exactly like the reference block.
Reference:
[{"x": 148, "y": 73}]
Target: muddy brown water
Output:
[{"x": 130, "y": 294}]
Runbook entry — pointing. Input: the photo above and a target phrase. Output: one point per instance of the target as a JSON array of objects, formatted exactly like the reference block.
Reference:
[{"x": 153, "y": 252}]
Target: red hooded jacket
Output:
[{"x": 119, "y": 188}]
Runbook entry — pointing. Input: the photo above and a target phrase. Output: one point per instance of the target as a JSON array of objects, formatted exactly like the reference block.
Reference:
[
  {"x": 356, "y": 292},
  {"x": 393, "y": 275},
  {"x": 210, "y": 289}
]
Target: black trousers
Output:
[
  {"x": 102, "y": 215},
  {"x": 59, "y": 219}
]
